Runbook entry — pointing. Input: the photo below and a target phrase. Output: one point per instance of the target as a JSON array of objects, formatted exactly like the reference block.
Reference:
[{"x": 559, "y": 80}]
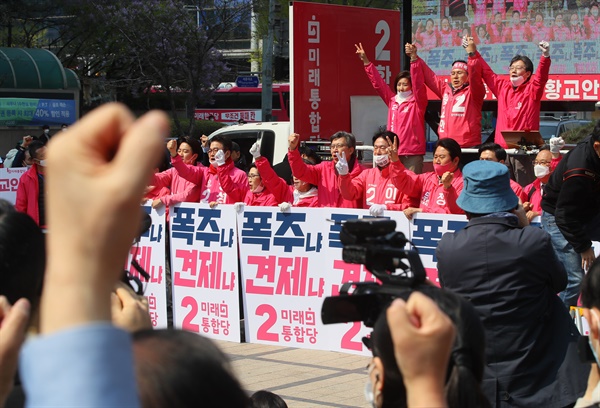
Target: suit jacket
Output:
[{"x": 511, "y": 276}]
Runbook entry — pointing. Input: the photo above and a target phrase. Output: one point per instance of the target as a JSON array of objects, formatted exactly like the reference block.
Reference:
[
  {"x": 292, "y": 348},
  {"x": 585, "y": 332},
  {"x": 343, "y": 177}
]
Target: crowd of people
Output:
[{"x": 495, "y": 334}]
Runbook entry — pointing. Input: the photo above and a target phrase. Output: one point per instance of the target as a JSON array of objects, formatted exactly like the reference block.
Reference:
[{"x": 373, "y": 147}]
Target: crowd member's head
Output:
[
  {"x": 46, "y": 129},
  {"x": 446, "y": 156},
  {"x": 520, "y": 69},
  {"x": 235, "y": 152},
  {"x": 254, "y": 180},
  {"x": 574, "y": 21},
  {"x": 516, "y": 17},
  {"x": 542, "y": 165},
  {"x": 266, "y": 399},
  {"x": 64, "y": 127},
  {"x": 176, "y": 368},
  {"x": 539, "y": 20},
  {"x": 465, "y": 369},
  {"x": 37, "y": 154},
  {"x": 302, "y": 186},
  {"x": 343, "y": 142},
  {"x": 380, "y": 147},
  {"x": 459, "y": 75},
  {"x": 22, "y": 256},
  {"x": 498, "y": 18},
  {"x": 219, "y": 143},
  {"x": 189, "y": 149},
  {"x": 429, "y": 25},
  {"x": 445, "y": 24},
  {"x": 559, "y": 19},
  {"x": 596, "y": 138},
  {"x": 486, "y": 189},
  {"x": 402, "y": 84},
  {"x": 309, "y": 154},
  {"x": 492, "y": 152}
]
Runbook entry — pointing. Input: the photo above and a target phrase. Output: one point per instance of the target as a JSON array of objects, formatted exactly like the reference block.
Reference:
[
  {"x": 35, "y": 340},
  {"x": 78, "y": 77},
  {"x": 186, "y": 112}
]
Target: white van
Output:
[{"x": 273, "y": 135}]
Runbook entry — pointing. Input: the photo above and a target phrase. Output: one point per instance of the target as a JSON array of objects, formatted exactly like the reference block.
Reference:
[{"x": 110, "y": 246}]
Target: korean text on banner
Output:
[
  {"x": 150, "y": 255},
  {"x": 204, "y": 268},
  {"x": 9, "y": 183},
  {"x": 290, "y": 262}
]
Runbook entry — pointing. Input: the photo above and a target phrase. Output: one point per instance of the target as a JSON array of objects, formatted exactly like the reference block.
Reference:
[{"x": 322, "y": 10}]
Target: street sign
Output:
[{"x": 247, "y": 81}]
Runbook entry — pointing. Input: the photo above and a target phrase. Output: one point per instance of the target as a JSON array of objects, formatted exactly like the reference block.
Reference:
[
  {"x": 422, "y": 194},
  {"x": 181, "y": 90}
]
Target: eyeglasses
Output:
[
  {"x": 337, "y": 146},
  {"x": 513, "y": 68},
  {"x": 214, "y": 150},
  {"x": 251, "y": 176},
  {"x": 542, "y": 162}
]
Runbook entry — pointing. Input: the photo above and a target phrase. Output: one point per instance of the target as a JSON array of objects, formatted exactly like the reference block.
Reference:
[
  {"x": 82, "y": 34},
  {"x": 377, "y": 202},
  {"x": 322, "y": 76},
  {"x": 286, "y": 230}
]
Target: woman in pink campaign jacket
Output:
[
  {"x": 255, "y": 193},
  {"x": 219, "y": 154},
  {"x": 519, "y": 95},
  {"x": 326, "y": 174},
  {"x": 406, "y": 101},
  {"x": 374, "y": 186},
  {"x": 300, "y": 194},
  {"x": 437, "y": 190},
  {"x": 182, "y": 190},
  {"x": 462, "y": 99}
]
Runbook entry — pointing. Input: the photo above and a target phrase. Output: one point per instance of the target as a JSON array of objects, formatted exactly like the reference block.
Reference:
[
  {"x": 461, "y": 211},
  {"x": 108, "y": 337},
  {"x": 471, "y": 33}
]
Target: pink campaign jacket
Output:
[
  {"x": 235, "y": 193},
  {"x": 182, "y": 190},
  {"x": 434, "y": 197},
  {"x": 275, "y": 184},
  {"x": 461, "y": 109},
  {"x": 407, "y": 119},
  {"x": 374, "y": 186},
  {"x": 519, "y": 109},
  {"x": 210, "y": 190},
  {"x": 28, "y": 193},
  {"x": 324, "y": 176}
]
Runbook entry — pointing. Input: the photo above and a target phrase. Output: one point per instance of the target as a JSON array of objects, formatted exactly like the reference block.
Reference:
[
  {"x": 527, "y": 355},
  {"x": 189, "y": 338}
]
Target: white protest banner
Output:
[
  {"x": 204, "y": 269},
  {"x": 290, "y": 262},
  {"x": 9, "y": 183},
  {"x": 149, "y": 253}
]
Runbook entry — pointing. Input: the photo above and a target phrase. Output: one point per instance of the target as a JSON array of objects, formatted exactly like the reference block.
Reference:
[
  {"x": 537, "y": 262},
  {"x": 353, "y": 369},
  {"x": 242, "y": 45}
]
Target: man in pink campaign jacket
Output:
[
  {"x": 186, "y": 155},
  {"x": 519, "y": 95},
  {"x": 325, "y": 175},
  {"x": 219, "y": 155},
  {"x": 374, "y": 186},
  {"x": 544, "y": 164},
  {"x": 437, "y": 190},
  {"x": 406, "y": 101},
  {"x": 462, "y": 99}
]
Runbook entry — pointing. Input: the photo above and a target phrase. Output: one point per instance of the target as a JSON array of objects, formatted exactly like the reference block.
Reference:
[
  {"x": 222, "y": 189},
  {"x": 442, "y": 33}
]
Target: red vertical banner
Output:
[{"x": 325, "y": 69}]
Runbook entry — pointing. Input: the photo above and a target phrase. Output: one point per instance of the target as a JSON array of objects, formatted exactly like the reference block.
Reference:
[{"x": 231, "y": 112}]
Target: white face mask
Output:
[
  {"x": 369, "y": 396},
  {"x": 381, "y": 160},
  {"x": 517, "y": 81},
  {"x": 42, "y": 163},
  {"x": 541, "y": 171},
  {"x": 46, "y": 131},
  {"x": 404, "y": 95}
]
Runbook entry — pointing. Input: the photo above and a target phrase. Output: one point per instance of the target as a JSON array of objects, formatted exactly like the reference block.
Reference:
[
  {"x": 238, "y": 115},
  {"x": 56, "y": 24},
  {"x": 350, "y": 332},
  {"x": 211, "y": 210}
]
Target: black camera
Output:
[{"x": 385, "y": 252}]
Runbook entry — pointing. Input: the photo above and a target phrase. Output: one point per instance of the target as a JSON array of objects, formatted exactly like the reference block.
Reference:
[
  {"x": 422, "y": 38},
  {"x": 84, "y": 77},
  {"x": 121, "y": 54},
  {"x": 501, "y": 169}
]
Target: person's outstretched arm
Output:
[{"x": 93, "y": 214}]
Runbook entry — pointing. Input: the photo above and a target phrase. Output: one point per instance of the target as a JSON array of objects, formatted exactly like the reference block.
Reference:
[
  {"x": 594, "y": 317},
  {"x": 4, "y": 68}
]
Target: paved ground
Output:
[{"x": 303, "y": 378}]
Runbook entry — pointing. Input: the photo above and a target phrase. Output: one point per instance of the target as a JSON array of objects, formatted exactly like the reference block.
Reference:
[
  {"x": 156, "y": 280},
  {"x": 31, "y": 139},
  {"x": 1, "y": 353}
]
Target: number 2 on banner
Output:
[
  {"x": 381, "y": 54},
  {"x": 348, "y": 341},
  {"x": 263, "y": 330},
  {"x": 187, "y": 320}
]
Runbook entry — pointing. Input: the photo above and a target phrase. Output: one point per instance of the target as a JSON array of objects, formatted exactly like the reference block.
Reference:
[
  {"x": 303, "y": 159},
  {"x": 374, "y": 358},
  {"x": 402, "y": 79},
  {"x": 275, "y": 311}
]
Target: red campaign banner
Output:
[
  {"x": 558, "y": 88},
  {"x": 325, "y": 69}
]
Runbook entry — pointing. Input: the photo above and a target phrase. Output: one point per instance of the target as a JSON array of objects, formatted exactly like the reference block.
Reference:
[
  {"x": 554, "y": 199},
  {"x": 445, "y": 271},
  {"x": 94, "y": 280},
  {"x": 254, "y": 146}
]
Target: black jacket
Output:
[
  {"x": 572, "y": 194},
  {"x": 511, "y": 276}
]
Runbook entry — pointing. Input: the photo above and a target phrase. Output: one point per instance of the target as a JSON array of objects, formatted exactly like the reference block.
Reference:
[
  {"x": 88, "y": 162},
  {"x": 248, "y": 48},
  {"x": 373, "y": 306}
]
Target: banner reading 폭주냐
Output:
[
  {"x": 149, "y": 253},
  {"x": 289, "y": 263},
  {"x": 204, "y": 270}
]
